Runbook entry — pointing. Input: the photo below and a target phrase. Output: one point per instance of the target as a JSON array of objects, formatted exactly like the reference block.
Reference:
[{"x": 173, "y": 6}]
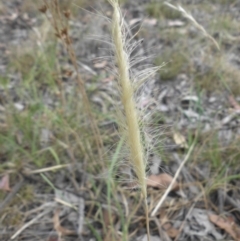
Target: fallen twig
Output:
[{"x": 173, "y": 181}]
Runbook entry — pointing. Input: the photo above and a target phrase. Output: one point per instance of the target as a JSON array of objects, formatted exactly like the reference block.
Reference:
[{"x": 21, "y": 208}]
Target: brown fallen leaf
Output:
[
  {"x": 161, "y": 181},
  {"x": 57, "y": 226},
  {"x": 234, "y": 103},
  {"x": 226, "y": 224},
  {"x": 4, "y": 183}
]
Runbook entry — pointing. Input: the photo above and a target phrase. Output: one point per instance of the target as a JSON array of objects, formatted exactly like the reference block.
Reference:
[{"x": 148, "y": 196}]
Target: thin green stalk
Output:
[{"x": 110, "y": 178}]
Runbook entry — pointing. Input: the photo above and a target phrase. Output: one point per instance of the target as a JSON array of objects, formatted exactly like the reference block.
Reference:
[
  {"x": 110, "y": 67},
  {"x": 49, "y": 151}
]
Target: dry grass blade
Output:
[
  {"x": 196, "y": 24},
  {"x": 170, "y": 187},
  {"x": 26, "y": 225},
  {"x": 47, "y": 169}
]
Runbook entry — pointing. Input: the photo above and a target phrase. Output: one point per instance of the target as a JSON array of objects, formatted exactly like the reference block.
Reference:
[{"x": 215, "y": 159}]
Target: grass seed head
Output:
[
  {"x": 43, "y": 9},
  {"x": 67, "y": 14},
  {"x": 132, "y": 126}
]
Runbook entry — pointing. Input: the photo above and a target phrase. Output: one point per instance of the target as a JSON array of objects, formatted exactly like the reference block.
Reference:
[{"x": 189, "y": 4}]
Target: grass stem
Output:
[{"x": 134, "y": 140}]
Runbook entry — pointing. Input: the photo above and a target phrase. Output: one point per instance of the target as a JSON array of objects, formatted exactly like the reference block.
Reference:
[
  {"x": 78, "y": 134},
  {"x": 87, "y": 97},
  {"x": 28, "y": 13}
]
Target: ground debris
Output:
[
  {"x": 226, "y": 224},
  {"x": 161, "y": 181}
]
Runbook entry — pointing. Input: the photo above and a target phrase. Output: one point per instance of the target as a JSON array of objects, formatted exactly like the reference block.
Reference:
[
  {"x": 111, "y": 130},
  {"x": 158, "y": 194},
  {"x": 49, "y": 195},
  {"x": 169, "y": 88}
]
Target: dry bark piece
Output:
[
  {"x": 161, "y": 181},
  {"x": 226, "y": 224}
]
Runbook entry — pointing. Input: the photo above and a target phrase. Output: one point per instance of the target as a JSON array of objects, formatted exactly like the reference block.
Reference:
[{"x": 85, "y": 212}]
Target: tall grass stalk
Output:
[
  {"x": 133, "y": 133},
  {"x": 59, "y": 21}
]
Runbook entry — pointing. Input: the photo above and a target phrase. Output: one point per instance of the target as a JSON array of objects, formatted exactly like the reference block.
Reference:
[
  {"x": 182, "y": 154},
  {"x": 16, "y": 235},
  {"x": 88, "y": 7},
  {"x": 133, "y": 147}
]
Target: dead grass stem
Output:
[
  {"x": 195, "y": 23},
  {"x": 59, "y": 22}
]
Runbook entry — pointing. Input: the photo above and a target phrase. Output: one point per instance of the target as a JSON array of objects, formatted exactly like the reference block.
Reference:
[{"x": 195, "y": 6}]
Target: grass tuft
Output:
[{"x": 176, "y": 61}]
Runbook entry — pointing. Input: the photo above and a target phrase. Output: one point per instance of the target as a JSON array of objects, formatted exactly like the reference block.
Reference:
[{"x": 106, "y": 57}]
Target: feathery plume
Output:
[
  {"x": 132, "y": 121},
  {"x": 133, "y": 133}
]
